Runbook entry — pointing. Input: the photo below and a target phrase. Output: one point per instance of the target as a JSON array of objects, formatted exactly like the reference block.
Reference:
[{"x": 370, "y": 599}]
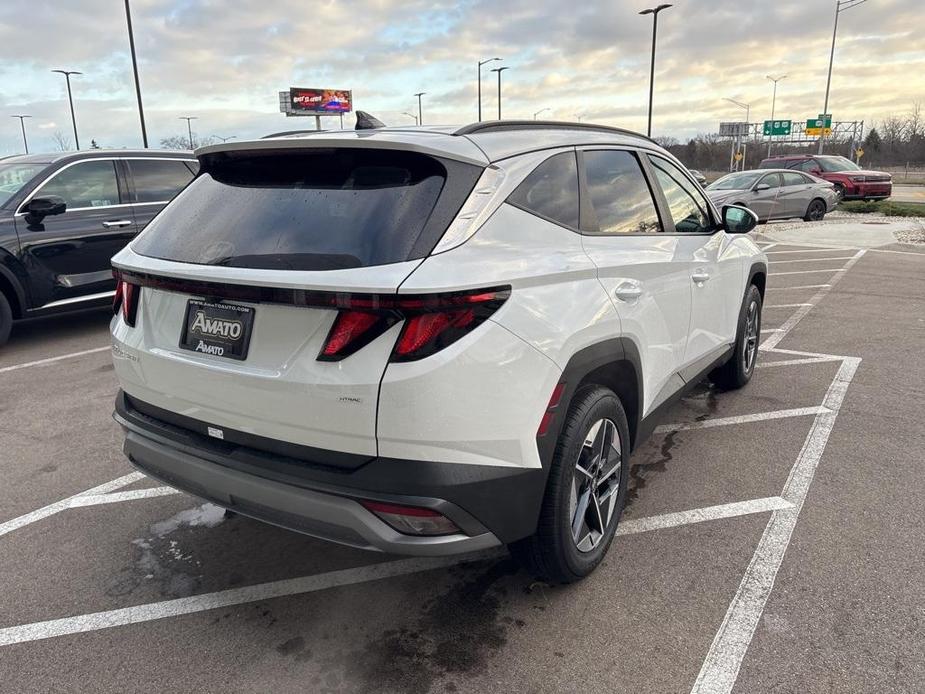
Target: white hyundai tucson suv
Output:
[{"x": 429, "y": 341}]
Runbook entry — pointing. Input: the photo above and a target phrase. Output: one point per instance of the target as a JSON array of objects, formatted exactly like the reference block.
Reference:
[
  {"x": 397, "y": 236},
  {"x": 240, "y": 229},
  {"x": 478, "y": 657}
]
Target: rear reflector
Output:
[
  {"x": 550, "y": 409},
  {"x": 411, "y": 520}
]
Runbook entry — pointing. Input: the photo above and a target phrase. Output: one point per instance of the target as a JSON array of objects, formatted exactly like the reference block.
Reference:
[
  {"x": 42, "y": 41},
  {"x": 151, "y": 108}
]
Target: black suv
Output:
[{"x": 63, "y": 216}]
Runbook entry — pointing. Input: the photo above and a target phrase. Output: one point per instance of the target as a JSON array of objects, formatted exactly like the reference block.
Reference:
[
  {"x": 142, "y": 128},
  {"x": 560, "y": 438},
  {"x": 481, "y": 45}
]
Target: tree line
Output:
[{"x": 892, "y": 142}]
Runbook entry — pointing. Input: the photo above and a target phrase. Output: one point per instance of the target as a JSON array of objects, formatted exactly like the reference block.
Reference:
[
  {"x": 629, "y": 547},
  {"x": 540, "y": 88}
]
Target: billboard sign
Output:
[
  {"x": 737, "y": 129},
  {"x": 320, "y": 102}
]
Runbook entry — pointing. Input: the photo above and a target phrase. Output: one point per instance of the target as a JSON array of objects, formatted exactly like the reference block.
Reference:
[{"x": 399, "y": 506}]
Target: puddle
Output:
[{"x": 160, "y": 560}]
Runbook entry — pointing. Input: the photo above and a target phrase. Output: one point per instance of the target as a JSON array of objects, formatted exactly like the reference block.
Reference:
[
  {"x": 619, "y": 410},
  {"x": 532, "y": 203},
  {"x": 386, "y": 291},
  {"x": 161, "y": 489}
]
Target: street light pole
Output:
[
  {"x": 67, "y": 76},
  {"x": 131, "y": 45},
  {"x": 410, "y": 115},
  {"x": 481, "y": 63},
  {"x": 22, "y": 125},
  {"x": 420, "y": 111},
  {"x": 224, "y": 139},
  {"x": 539, "y": 112},
  {"x": 775, "y": 80},
  {"x": 654, "y": 12},
  {"x": 747, "y": 108},
  {"x": 840, "y": 6},
  {"x": 189, "y": 127},
  {"x": 499, "y": 70}
]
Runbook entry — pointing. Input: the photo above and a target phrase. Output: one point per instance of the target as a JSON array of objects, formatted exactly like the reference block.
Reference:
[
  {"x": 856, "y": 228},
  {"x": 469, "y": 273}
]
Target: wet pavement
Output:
[{"x": 772, "y": 542}]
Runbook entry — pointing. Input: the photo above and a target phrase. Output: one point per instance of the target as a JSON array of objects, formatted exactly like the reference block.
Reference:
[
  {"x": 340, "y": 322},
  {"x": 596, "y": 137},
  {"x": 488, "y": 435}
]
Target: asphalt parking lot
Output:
[{"x": 773, "y": 541}]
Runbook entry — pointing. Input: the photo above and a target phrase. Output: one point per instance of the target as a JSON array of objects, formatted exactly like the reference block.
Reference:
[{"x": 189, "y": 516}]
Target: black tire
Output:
[
  {"x": 6, "y": 319},
  {"x": 738, "y": 371},
  {"x": 553, "y": 553},
  {"x": 816, "y": 211}
]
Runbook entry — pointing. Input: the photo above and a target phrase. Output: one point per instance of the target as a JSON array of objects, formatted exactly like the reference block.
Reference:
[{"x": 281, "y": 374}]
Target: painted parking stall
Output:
[{"x": 700, "y": 547}]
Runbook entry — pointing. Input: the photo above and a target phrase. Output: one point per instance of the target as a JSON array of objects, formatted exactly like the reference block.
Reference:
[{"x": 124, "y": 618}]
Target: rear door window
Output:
[
  {"x": 312, "y": 209},
  {"x": 551, "y": 190},
  {"x": 794, "y": 179},
  {"x": 620, "y": 196},
  {"x": 158, "y": 180}
]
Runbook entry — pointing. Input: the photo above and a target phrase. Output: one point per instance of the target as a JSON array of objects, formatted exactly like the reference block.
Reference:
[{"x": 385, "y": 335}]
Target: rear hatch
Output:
[{"x": 259, "y": 304}]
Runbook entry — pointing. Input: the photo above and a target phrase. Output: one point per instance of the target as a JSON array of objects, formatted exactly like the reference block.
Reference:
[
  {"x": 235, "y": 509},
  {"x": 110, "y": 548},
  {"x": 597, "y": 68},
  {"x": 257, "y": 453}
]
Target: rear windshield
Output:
[{"x": 315, "y": 209}]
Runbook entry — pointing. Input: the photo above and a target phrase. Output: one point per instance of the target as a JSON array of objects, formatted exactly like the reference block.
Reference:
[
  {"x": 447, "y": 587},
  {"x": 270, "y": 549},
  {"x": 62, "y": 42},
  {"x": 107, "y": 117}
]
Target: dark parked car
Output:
[
  {"x": 63, "y": 216},
  {"x": 851, "y": 181}
]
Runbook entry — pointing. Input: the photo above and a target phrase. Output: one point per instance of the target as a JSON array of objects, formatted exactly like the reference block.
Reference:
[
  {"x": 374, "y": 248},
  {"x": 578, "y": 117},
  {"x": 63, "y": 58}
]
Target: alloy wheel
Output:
[
  {"x": 595, "y": 485},
  {"x": 751, "y": 337}
]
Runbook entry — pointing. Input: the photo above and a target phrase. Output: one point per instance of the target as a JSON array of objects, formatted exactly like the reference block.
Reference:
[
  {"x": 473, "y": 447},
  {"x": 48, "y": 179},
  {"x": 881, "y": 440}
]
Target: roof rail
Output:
[{"x": 490, "y": 126}]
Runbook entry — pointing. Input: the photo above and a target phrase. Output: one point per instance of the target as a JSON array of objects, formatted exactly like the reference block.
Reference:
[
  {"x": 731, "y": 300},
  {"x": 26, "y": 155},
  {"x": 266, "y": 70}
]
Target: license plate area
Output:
[{"x": 217, "y": 329}]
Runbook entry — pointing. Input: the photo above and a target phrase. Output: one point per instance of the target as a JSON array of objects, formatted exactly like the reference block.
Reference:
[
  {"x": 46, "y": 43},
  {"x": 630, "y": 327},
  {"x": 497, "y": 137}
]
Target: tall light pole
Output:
[
  {"x": 420, "y": 111},
  {"x": 189, "y": 127},
  {"x": 747, "y": 108},
  {"x": 67, "y": 76},
  {"x": 840, "y": 6},
  {"x": 539, "y": 112},
  {"x": 654, "y": 12},
  {"x": 499, "y": 70},
  {"x": 410, "y": 115},
  {"x": 481, "y": 63},
  {"x": 775, "y": 80},
  {"x": 131, "y": 45},
  {"x": 22, "y": 125}
]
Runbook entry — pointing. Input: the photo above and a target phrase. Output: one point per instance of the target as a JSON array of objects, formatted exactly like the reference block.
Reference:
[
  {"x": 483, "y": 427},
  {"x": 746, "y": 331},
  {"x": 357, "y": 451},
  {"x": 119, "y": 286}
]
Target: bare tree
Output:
[
  {"x": 62, "y": 141},
  {"x": 182, "y": 141}
]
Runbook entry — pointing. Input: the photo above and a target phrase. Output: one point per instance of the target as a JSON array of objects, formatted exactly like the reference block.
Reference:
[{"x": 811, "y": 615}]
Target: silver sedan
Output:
[{"x": 776, "y": 194}]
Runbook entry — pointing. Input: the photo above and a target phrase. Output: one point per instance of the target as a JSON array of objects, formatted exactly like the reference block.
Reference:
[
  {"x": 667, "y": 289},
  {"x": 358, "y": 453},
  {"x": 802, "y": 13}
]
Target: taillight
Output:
[
  {"x": 431, "y": 321},
  {"x": 126, "y": 298},
  {"x": 351, "y": 331},
  {"x": 411, "y": 520}
]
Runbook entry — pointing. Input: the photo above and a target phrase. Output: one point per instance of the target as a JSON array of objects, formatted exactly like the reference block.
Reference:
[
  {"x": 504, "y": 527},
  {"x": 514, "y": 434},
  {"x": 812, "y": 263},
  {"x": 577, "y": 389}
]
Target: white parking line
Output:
[
  {"x": 808, "y": 260},
  {"x": 95, "y": 621},
  {"x": 117, "y": 497},
  {"x": 58, "y": 506},
  {"x": 798, "y": 315},
  {"x": 793, "y": 362},
  {"x": 52, "y": 360},
  {"x": 699, "y": 515},
  {"x": 721, "y": 667},
  {"x": 813, "y": 249},
  {"x": 804, "y": 286},
  {"x": 786, "y": 305},
  {"x": 741, "y": 419},
  {"x": 808, "y": 272}
]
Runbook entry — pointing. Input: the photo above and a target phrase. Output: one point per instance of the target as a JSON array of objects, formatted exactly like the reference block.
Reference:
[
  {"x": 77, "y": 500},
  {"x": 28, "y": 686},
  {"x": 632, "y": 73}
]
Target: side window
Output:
[
  {"x": 772, "y": 180},
  {"x": 620, "y": 196},
  {"x": 689, "y": 209},
  {"x": 158, "y": 180},
  {"x": 87, "y": 184},
  {"x": 794, "y": 179},
  {"x": 806, "y": 165},
  {"x": 551, "y": 190}
]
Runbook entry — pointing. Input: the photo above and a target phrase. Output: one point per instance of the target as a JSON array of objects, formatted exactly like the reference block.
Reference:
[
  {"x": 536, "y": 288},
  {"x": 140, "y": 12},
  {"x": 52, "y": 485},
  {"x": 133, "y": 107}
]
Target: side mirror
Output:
[
  {"x": 39, "y": 208},
  {"x": 739, "y": 220},
  {"x": 762, "y": 186}
]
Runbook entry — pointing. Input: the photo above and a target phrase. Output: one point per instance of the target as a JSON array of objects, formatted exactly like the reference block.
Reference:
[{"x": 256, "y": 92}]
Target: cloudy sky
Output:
[{"x": 224, "y": 61}]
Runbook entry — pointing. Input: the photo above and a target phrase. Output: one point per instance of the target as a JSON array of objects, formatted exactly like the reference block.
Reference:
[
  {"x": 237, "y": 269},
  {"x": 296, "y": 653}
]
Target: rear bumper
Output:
[{"x": 491, "y": 504}]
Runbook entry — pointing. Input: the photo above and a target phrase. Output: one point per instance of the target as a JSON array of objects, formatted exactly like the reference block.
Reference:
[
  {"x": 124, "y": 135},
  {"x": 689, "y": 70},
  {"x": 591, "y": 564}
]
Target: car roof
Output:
[
  {"x": 61, "y": 157},
  {"x": 478, "y": 143}
]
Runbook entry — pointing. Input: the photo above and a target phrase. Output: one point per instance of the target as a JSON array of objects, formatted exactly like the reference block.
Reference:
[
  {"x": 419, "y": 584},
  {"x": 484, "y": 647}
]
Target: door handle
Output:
[
  {"x": 700, "y": 276},
  {"x": 117, "y": 223},
  {"x": 628, "y": 291}
]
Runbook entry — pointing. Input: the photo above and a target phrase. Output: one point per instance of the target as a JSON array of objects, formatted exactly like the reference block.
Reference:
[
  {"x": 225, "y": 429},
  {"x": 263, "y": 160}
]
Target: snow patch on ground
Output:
[{"x": 205, "y": 516}]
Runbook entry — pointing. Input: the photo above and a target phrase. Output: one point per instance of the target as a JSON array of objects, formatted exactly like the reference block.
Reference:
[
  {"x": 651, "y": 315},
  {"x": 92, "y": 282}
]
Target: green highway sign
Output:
[
  {"x": 815, "y": 126},
  {"x": 777, "y": 127}
]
